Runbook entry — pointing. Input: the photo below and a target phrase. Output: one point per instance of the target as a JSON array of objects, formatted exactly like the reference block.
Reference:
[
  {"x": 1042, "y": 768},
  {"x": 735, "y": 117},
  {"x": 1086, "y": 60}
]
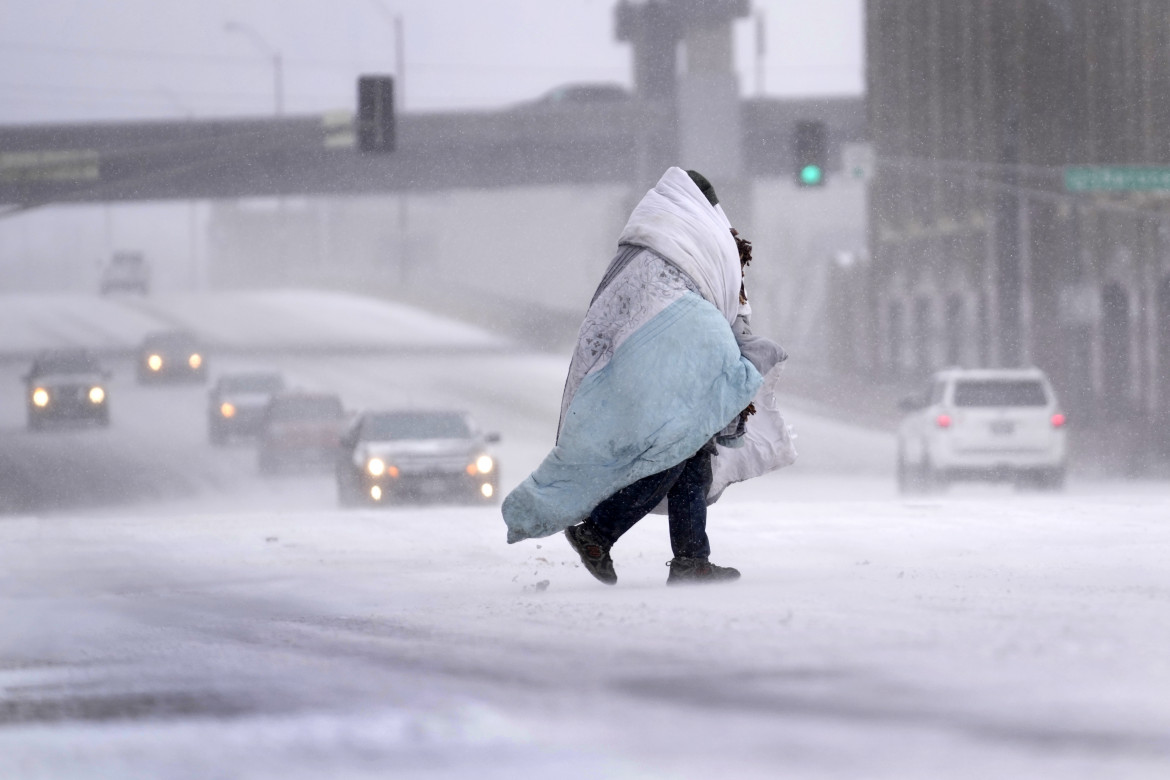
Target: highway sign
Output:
[{"x": 1116, "y": 178}]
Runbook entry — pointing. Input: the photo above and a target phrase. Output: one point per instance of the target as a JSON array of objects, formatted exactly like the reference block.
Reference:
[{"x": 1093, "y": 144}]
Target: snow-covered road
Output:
[
  {"x": 972, "y": 636},
  {"x": 230, "y": 626}
]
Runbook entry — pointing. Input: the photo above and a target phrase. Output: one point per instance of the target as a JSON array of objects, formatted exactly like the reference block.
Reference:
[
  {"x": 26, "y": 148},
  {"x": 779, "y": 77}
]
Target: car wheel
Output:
[
  {"x": 911, "y": 478},
  {"x": 903, "y": 476},
  {"x": 1045, "y": 479}
]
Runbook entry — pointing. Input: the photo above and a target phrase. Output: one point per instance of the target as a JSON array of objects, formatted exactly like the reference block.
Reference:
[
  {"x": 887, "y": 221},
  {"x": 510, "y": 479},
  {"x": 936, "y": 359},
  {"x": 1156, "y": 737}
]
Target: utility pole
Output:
[
  {"x": 398, "y": 26},
  {"x": 395, "y": 20},
  {"x": 761, "y": 50},
  {"x": 279, "y": 256},
  {"x": 1010, "y": 233},
  {"x": 197, "y": 275}
]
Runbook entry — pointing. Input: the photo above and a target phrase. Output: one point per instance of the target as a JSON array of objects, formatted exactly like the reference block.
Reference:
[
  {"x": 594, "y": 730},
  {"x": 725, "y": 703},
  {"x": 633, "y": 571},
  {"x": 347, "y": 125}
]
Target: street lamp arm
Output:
[
  {"x": 251, "y": 34},
  {"x": 268, "y": 51}
]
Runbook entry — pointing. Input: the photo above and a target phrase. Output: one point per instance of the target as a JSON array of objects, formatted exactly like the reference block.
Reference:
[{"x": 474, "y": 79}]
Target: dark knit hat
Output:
[{"x": 701, "y": 182}]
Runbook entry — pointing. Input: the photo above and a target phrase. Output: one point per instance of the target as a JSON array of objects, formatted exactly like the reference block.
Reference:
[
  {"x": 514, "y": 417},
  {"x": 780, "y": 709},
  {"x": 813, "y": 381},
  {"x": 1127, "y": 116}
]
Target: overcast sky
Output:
[{"x": 67, "y": 60}]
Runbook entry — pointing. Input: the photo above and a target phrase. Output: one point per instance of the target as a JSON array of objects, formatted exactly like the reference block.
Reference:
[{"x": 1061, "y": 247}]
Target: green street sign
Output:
[{"x": 1116, "y": 178}]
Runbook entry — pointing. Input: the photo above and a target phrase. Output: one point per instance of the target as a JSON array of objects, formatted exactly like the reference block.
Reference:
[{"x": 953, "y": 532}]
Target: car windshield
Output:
[
  {"x": 252, "y": 383},
  {"x": 307, "y": 408},
  {"x": 66, "y": 363},
  {"x": 1000, "y": 392},
  {"x": 385, "y": 427}
]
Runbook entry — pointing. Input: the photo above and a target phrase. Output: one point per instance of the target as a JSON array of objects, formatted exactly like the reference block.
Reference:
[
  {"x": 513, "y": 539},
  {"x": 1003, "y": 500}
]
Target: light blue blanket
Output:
[{"x": 667, "y": 390}]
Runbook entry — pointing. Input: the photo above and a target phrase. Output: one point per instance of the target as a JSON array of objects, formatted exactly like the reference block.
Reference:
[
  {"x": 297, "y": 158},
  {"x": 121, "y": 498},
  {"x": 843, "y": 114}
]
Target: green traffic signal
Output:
[
  {"x": 811, "y": 175},
  {"x": 810, "y": 152}
]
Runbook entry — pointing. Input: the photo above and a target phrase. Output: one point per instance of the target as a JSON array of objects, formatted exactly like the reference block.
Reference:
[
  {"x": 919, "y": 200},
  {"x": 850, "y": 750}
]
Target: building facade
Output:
[{"x": 986, "y": 248}]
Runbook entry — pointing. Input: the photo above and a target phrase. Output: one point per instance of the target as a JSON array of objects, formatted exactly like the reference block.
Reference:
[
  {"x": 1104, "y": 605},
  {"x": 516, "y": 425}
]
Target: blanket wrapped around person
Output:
[{"x": 657, "y": 371}]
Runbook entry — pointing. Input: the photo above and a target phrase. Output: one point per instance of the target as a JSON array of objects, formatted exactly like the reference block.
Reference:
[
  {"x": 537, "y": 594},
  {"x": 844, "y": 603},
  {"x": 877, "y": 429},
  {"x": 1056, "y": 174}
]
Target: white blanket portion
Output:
[
  {"x": 676, "y": 221},
  {"x": 767, "y": 444},
  {"x": 645, "y": 287}
]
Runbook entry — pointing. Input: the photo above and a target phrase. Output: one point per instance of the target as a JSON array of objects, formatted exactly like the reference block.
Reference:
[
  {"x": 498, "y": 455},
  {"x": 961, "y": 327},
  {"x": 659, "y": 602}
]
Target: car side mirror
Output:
[{"x": 492, "y": 438}]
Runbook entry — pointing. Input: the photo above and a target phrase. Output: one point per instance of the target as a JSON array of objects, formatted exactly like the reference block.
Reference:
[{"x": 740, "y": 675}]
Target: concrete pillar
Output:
[
  {"x": 703, "y": 101},
  {"x": 709, "y": 126}
]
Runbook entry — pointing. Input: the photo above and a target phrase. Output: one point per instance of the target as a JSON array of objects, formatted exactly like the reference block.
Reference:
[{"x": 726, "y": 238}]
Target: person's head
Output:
[{"x": 704, "y": 186}]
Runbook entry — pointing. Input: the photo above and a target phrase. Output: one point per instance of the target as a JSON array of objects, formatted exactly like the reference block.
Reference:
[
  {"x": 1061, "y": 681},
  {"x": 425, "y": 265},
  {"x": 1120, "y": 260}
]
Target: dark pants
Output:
[{"x": 685, "y": 488}]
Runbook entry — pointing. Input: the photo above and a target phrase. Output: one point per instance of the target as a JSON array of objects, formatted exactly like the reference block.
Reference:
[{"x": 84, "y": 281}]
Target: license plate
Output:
[{"x": 1003, "y": 427}]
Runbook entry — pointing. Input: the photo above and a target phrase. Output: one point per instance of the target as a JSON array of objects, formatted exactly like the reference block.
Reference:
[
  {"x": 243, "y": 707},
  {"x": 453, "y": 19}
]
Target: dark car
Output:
[
  {"x": 66, "y": 384},
  {"x": 416, "y": 455},
  {"x": 300, "y": 429},
  {"x": 172, "y": 356},
  {"x": 236, "y": 403}
]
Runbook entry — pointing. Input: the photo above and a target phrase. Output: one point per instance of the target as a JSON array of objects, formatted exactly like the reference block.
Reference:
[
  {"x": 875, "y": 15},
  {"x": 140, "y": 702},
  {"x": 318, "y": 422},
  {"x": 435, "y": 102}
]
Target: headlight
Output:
[
  {"x": 155, "y": 362},
  {"x": 484, "y": 464},
  {"x": 195, "y": 360},
  {"x": 376, "y": 493},
  {"x": 97, "y": 395},
  {"x": 227, "y": 410},
  {"x": 486, "y": 489},
  {"x": 376, "y": 467},
  {"x": 40, "y": 397}
]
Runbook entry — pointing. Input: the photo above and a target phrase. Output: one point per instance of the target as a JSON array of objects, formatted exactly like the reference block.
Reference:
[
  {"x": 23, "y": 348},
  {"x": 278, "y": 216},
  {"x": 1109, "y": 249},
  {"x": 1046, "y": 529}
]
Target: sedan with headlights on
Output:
[
  {"x": 236, "y": 403},
  {"x": 66, "y": 384},
  {"x": 171, "y": 356},
  {"x": 415, "y": 455}
]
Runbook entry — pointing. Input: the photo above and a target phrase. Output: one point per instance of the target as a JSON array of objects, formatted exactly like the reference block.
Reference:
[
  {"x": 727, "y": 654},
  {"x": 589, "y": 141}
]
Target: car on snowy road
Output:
[
  {"x": 983, "y": 424},
  {"x": 236, "y": 403},
  {"x": 66, "y": 385},
  {"x": 300, "y": 429},
  {"x": 414, "y": 455},
  {"x": 172, "y": 355}
]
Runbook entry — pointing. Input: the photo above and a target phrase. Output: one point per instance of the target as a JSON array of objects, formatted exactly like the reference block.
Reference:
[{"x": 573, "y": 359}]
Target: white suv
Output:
[{"x": 993, "y": 424}]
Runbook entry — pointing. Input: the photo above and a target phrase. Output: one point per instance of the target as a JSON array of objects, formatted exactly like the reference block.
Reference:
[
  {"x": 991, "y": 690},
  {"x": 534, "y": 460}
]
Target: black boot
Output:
[
  {"x": 593, "y": 550},
  {"x": 686, "y": 571}
]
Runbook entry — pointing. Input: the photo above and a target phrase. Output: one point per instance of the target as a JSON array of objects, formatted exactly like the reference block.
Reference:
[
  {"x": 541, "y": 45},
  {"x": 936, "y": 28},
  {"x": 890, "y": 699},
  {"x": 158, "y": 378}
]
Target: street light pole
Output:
[
  {"x": 395, "y": 20},
  {"x": 268, "y": 51},
  {"x": 278, "y": 82},
  {"x": 196, "y": 270}
]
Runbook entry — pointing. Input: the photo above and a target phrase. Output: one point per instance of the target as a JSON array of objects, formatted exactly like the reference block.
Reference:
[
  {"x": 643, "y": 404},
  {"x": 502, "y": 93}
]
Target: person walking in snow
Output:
[{"x": 662, "y": 379}]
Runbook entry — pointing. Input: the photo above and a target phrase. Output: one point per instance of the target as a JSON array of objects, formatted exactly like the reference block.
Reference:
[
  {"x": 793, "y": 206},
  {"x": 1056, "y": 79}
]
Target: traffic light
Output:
[
  {"x": 810, "y": 143},
  {"x": 375, "y": 114}
]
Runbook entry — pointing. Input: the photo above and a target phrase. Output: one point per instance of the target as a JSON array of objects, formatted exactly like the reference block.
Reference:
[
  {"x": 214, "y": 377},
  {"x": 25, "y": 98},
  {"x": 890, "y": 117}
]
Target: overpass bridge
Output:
[{"x": 533, "y": 144}]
